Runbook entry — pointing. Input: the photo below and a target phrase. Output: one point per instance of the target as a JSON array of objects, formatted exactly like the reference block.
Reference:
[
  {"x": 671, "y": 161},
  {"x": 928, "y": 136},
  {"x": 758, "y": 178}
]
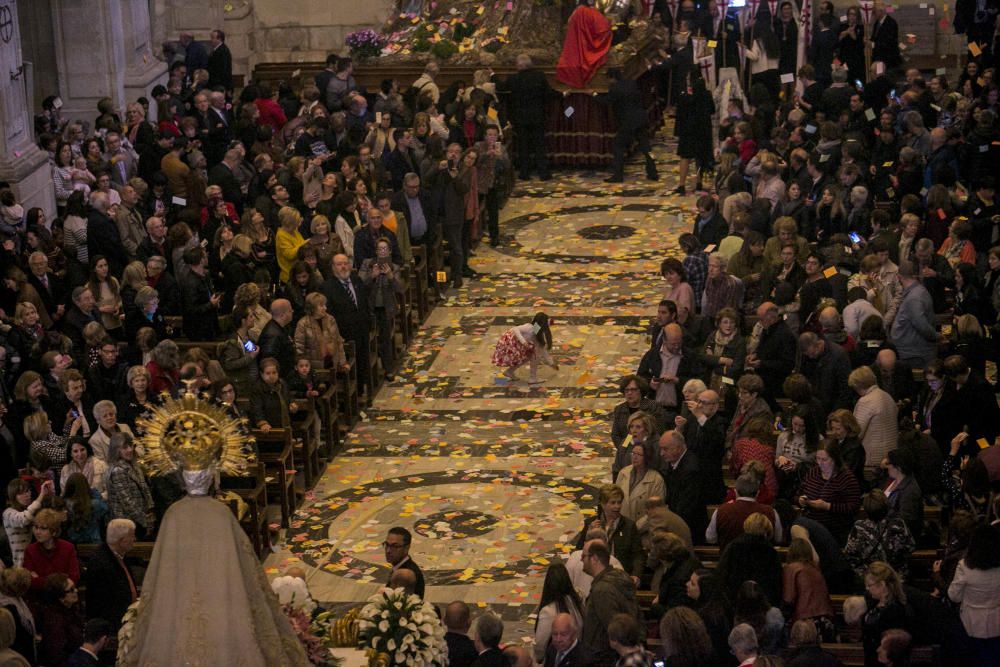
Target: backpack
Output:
[{"x": 411, "y": 97}]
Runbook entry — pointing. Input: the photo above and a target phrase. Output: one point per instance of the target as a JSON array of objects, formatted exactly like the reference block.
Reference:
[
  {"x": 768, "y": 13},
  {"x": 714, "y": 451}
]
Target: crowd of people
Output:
[{"x": 817, "y": 373}]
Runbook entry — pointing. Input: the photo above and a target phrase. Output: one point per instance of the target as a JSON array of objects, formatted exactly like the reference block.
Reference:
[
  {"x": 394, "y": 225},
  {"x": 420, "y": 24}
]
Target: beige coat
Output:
[
  {"x": 317, "y": 339},
  {"x": 651, "y": 484},
  {"x": 876, "y": 413}
]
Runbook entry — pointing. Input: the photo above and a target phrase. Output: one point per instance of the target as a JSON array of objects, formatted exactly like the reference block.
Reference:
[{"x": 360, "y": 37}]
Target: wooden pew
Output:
[
  {"x": 253, "y": 491},
  {"x": 275, "y": 447}
]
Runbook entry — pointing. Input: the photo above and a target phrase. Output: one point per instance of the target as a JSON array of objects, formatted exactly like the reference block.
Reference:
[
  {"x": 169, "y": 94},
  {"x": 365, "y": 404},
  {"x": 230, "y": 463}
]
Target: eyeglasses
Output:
[{"x": 390, "y": 545}]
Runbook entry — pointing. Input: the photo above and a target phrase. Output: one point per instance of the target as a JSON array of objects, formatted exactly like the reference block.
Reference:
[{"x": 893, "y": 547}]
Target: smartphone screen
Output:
[
  {"x": 249, "y": 346},
  {"x": 855, "y": 237}
]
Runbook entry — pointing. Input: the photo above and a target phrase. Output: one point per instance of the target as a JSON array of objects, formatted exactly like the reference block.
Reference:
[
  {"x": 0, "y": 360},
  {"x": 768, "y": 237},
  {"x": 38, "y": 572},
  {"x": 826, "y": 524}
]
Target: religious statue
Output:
[
  {"x": 205, "y": 599},
  {"x": 585, "y": 50}
]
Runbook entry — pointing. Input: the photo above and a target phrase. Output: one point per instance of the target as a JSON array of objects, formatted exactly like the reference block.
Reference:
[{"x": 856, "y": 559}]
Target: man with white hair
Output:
[
  {"x": 102, "y": 234},
  {"x": 526, "y": 92},
  {"x": 743, "y": 644},
  {"x": 565, "y": 649},
  {"x": 110, "y": 586},
  {"x": 425, "y": 86},
  {"x": 486, "y": 634}
]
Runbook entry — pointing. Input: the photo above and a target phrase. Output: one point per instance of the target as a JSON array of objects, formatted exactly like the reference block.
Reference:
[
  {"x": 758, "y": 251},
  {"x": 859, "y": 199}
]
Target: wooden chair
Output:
[
  {"x": 253, "y": 491},
  {"x": 328, "y": 409},
  {"x": 275, "y": 447},
  {"x": 305, "y": 447},
  {"x": 348, "y": 389}
]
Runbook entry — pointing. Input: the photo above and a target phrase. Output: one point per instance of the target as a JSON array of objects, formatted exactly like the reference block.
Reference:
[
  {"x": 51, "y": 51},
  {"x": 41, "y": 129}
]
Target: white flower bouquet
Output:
[{"x": 405, "y": 628}]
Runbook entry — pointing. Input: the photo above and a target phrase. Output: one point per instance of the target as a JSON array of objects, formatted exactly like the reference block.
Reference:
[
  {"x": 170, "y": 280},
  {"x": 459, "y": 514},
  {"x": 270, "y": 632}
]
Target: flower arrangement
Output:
[
  {"x": 444, "y": 49},
  {"x": 404, "y": 627},
  {"x": 365, "y": 43}
]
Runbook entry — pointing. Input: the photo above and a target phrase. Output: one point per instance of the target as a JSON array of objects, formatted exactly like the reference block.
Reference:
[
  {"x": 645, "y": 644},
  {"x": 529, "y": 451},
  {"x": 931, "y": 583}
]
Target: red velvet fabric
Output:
[{"x": 588, "y": 39}]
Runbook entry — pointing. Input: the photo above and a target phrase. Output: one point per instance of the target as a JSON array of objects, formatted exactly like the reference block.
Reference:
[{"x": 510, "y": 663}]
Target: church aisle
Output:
[{"x": 495, "y": 478}]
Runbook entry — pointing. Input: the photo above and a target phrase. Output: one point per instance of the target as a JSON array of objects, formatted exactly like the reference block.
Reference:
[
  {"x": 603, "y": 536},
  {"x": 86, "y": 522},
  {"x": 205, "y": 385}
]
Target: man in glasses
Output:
[{"x": 397, "y": 554}]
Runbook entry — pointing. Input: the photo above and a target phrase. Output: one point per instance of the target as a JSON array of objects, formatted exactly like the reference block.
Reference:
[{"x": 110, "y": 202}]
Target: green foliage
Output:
[{"x": 444, "y": 49}]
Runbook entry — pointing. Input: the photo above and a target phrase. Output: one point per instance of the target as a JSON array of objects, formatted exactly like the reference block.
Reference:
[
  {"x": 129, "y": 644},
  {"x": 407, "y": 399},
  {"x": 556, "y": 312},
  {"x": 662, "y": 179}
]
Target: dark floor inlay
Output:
[
  {"x": 455, "y": 524},
  {"x": 606, "y": 232}
]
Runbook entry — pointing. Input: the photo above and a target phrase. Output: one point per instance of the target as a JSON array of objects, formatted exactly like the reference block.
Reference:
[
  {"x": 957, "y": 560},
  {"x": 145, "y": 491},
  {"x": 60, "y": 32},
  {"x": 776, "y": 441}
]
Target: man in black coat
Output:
[
  {"x": 347, "y": 301},
  {"x": 96, "y": 634},
  {"x": 775, "y": 355},
  {"x": 102, "y": 235},
  {"x": 461, "y": 650},
  {"x": 81, "y": 313},
  {"x": 565, "y": 649},
  {"x": 526, "y": 94},
  {"x": 827, "y": 367},
  {"x": 397, "y": 554},
  {"x": 50, "y": 287},
  {"x": 705, "y": 434},
  {"x": 199, "y": 301},
  {"x": 110, "y": 587},
  {"x": 682, "y": 474},
  {"x": 275, "y": 341},
  {"x": 366, "y": 238},
  {"x": 625, "y": 101},
  {"x": 486, "y": 634},
  {"x": 223, "y": 175},
  {"x": 220, "y": 62},
  {"x": 710, "y": 227},
  {"x": 402, "y": 160},
  {"x": 885, "y": 37},
  {"x": 451, "y": 186},
  {"x": 418, "y": 208}
]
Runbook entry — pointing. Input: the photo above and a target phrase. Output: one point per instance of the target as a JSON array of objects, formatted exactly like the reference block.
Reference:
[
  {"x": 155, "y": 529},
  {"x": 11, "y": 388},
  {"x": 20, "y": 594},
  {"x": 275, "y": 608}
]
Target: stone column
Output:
[
  {"x": 22, "y": 163},
  {"x": 142, "y": 70},
  {"x": 92, "y": 68}
]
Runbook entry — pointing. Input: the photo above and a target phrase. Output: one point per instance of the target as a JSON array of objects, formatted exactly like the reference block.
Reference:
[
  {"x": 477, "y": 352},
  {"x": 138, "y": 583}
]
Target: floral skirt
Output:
[{"x": 511, "y": 351}]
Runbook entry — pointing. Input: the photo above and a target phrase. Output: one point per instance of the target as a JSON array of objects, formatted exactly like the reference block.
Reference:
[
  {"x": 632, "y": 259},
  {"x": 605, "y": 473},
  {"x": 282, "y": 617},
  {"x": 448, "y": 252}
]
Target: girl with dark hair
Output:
[
  {"x": 707, "y": 597},
  {"x": 752, "y": 606},
  {"x": 558, "y": 597},
  {"x": 525, "y": 344},
  {"x": 764, "y": 53},
  {"x": 851, "y": 45},
  {"x": 88, "y": 513}
]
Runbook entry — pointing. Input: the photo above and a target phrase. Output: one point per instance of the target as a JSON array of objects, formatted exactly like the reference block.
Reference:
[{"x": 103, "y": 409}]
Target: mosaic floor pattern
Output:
[{"x": 494, "y": 478}]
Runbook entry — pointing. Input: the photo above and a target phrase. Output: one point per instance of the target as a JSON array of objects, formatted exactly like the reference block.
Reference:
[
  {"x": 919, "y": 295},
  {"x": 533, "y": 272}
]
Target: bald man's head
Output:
[
  {"x": 405, "y": 579},
  {"x": 564, "y": 632},
  {"x": 673, "y": 337},
  {"x": 886, "y": 359},
  {"x": 281, "y": 311},
  {"x": 458, "y": 617}
]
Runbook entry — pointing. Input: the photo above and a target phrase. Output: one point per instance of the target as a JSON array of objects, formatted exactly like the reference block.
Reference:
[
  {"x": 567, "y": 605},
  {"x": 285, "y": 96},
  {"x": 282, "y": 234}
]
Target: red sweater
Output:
[{"x": 42, "y": 563}]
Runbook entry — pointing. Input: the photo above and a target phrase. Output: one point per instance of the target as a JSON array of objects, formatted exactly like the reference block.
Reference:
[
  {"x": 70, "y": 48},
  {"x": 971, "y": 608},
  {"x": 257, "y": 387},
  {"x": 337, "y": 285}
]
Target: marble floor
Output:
[{"x": 495, "y": 478}]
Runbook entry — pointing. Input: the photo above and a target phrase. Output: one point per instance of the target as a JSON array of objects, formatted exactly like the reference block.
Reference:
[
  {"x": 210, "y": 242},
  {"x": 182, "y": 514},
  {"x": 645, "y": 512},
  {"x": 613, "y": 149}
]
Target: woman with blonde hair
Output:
[
  {"x": 786, "y": 231},
  {"x": 325, "y": 242},
  {"x": 288, "y": 239},
  {"x": 17, "y": 282},
  {"x": 49, "y": 554},
  {"x": 27, "y": 331},
  {"x": 253, "y": 225},
  {"x": 843, "y": 427},
  {"x": 317, "y": 337},
  {"x": 886, "y": 607},
  {"x": 38, "y": 430}
]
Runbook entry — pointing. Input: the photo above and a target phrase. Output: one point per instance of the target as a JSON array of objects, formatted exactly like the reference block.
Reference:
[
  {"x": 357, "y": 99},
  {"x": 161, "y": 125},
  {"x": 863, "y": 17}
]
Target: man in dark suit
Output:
[
  {"x": 682, "y": 474},
  {"x": 461, "y": 650},
  {"x": 211, "y": 131},
  {"x": 710, "y": 227},
  {"x": 417, "y": 206},
  {"x": 893, "y": 377},
  {"x": 632, "y": 124},
  {"x": 102, "y": 235},
  {"x": 366, "y": 238},
  {"x": 397, "y": 554},
  {"x": 199, "y": 301},
  {"x": 81, "y": 313},
  {"x": 50, "y": 288},
  {"x": 885, "y": 37},
  {"x": 705, "y": 434},
  {"x": 223, "y": 175},
  {"x": 220, "y": 62},
  {"x": 402, "y": 160},
  {"x": 775, "y": 355},
  {"x": 110, "y": 587},
  {"x": 526, "y": 94},
  {"x": 275, "y": 341},
  {"x": 486, "y": 635},
  {"x": 347, "y": 301},
  {"x": 96, "y": 634},
  {"x": 565, "y": 649}
]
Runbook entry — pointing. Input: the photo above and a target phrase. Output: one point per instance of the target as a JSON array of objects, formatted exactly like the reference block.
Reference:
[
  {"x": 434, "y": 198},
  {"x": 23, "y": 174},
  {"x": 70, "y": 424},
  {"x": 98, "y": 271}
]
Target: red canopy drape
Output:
[{"x": 588, "y": 38}]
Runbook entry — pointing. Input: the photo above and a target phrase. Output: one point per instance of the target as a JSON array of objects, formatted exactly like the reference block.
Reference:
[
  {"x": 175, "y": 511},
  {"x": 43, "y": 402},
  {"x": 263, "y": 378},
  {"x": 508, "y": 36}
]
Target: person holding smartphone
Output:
[{"x": 238, "y": 354}]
